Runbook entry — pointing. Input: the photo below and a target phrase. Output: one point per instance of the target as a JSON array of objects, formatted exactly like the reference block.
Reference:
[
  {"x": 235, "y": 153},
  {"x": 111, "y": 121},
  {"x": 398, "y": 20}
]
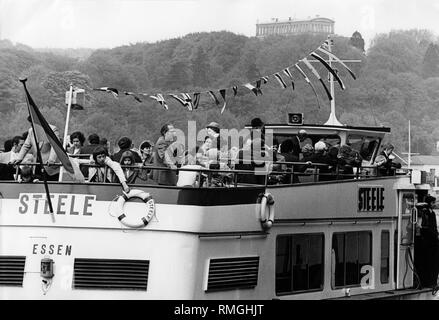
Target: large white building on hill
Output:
[{"x": 293, "y": 26}]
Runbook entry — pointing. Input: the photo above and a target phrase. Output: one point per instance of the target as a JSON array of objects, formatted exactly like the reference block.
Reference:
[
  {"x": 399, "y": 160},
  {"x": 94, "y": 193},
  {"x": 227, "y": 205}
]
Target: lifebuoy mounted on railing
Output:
[
  {"x": 150, "y": 208},
  {"x": 266, "y": 210}
]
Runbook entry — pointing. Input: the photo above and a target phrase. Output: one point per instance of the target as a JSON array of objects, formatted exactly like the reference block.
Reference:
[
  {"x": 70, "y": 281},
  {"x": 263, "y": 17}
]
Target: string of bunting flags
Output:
[{"x": 191, "y": 101}]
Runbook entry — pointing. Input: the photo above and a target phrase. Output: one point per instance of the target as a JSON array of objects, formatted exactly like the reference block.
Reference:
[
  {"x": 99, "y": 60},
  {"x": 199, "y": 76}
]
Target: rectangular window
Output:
[
  {"x": 350, "y": 252},
  {"x": 385, "y": 256},
  {"x": 364, "y": 145},
  {"x": 299, "y": 263}
]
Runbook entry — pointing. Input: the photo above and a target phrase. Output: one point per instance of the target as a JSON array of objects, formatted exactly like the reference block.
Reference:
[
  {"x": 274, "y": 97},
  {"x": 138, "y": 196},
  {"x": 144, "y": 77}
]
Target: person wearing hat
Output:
[{"x": 427, "y": 244}]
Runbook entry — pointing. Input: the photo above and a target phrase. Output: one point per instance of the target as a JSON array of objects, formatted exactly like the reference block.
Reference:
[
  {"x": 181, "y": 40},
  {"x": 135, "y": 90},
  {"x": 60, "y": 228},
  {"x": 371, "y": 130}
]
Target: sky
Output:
[{"x": 111, "y": 23}]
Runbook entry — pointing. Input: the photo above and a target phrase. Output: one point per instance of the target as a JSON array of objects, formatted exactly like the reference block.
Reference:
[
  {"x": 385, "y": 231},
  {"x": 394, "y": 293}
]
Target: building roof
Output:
[{"x": 294, "y": 20}]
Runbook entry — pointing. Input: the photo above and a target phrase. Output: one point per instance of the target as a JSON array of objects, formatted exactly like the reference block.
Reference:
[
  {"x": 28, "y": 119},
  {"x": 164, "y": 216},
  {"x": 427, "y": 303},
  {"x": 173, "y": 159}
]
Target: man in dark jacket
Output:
[
  {"x": 125, "y": 144},
  {"x": 93, "y": 143},
  {"x": 427, "y": 244}
]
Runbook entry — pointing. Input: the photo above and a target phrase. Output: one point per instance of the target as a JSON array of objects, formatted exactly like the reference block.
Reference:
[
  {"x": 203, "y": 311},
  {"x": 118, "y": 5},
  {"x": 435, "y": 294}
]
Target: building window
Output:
[
  {"x": 350, "y": 252},
  {"x": 385, "y": 256},
  {"x": 299, "y": 263}
]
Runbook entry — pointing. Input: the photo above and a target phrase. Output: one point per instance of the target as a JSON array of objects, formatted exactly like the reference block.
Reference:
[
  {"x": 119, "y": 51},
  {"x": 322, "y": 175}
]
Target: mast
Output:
[{"x": 332, "y": 117}]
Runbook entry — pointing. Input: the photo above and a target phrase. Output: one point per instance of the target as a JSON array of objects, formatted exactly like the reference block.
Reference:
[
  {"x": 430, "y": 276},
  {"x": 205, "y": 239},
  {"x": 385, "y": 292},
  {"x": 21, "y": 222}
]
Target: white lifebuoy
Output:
[
  {"x": 266, "y": 211},
  {"x": 150, "y": 210}
]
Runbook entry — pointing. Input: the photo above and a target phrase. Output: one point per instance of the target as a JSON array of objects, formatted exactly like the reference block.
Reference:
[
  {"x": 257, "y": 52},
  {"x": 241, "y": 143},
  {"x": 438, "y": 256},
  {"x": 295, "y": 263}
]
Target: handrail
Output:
[{"x": 361, "y": 172}]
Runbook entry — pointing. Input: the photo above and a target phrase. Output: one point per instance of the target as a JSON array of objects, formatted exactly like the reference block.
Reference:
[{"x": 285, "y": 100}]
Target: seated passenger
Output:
[
  {"x": 384, "y": 161},
  {"x": 131, "y": 174},
  {"x": 286, "y": 150},
  {"x": 348, "y": 160},
  {"x": 27, "y": 175},
  {"x": 77, "y": 140},
  {"x": 97, "y": 174},
  {"x": 320, "y": 157}
]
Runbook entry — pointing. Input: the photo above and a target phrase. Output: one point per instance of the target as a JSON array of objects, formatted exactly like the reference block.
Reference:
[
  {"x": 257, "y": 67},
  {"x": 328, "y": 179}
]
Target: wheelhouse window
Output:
[
  {"x": 364, "y": 145},
  {"x": 299, "y": 263},
  {"x": 350, "y": 252},
  {"x": 385, "y": 256},
  {"x": 330, "y": 140}
]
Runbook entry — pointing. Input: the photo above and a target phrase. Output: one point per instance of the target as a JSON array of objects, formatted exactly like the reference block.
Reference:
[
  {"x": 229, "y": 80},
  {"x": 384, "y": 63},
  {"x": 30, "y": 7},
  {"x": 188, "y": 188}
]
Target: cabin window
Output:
[
  {"x": 385, "y": 256},
  {"x": 299, "y": 263},
  {"x": 350, "y": 252},
  {"x": 330, "y": 140},
  {"x": 364, "y": 145}
]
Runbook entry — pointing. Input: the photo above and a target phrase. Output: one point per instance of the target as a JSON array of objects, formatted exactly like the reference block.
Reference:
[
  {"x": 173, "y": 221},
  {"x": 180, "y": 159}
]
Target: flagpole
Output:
[
  {"x": 410, "y": 149},
  {"x": 39, "y": 157},
  {"x": 66, "y": 127}
]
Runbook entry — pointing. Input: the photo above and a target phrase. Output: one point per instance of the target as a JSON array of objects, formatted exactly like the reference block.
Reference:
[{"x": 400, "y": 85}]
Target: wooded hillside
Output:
[{"x": 397, "y": 80}]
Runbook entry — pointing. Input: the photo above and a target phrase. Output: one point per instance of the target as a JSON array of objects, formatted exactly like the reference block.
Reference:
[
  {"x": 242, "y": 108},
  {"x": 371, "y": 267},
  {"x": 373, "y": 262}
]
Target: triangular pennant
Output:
[
  {"x": 314, "y": 71},
  {"x": 309, "y": 82},
  {"x": 134, "y": 95},
  {"x": 223, "y": 94},
  {"x": 333, "y": 56},
  {"x": 280, "y": 80},
  {"x": 258, "y": 86},
  {"x": 328, "y": 67},
  {"x": 252, "y": 88},
  {"x": 196, "y": 99},
  {"x": 187, "y": 98},
  {"x": 113, "y": 91},
  {"x": 214, "y": 97},
  {"x": 182, "y": 101},
  {"x": 288, "y": 73},
  {"x": 159, "y": 98}
]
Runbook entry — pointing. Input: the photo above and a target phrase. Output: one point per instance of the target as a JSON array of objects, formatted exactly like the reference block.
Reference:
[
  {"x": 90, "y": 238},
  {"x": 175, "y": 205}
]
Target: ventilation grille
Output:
[
  {"x": 110, "y": 274},
  {"x": 12, "y": 270},
  {"x": 233, "y": 273}
]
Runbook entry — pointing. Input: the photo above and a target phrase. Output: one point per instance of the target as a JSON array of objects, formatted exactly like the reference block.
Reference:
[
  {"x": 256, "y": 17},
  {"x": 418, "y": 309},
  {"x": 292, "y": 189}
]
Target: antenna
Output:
[{"x": 332, "y": 121}]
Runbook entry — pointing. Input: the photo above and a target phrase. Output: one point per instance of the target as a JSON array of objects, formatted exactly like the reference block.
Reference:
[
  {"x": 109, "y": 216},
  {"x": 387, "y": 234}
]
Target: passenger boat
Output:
[{"x": 346, "y": 238}]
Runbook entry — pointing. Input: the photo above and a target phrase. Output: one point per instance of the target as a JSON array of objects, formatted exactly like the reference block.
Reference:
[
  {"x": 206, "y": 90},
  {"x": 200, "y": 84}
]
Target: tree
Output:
[
  {"x": 430, "y": 63},
  {"x": 357, "y": 41},
  {"x": 177, "y": 77},
  {"x": 200, "y": 68}
]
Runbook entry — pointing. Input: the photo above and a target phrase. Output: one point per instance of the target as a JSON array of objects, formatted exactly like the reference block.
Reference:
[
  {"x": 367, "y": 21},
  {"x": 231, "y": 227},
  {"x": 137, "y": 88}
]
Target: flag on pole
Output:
[
  {"x": 39, "y": 121},
  {"x": 113, "y": 91}
]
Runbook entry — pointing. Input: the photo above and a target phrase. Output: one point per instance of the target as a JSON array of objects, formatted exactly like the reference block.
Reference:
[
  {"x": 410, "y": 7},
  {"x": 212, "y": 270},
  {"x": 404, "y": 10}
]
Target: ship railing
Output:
[{"x": 269, "y": 173}]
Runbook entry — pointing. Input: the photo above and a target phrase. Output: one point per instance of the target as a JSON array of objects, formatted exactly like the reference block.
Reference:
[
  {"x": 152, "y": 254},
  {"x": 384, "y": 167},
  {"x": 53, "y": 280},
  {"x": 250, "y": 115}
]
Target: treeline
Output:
[{"x": 397, "y": 81}]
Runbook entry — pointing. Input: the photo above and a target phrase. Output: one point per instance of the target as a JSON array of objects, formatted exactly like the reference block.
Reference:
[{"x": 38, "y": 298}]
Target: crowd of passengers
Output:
[{"x": 289, "y": 161}]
